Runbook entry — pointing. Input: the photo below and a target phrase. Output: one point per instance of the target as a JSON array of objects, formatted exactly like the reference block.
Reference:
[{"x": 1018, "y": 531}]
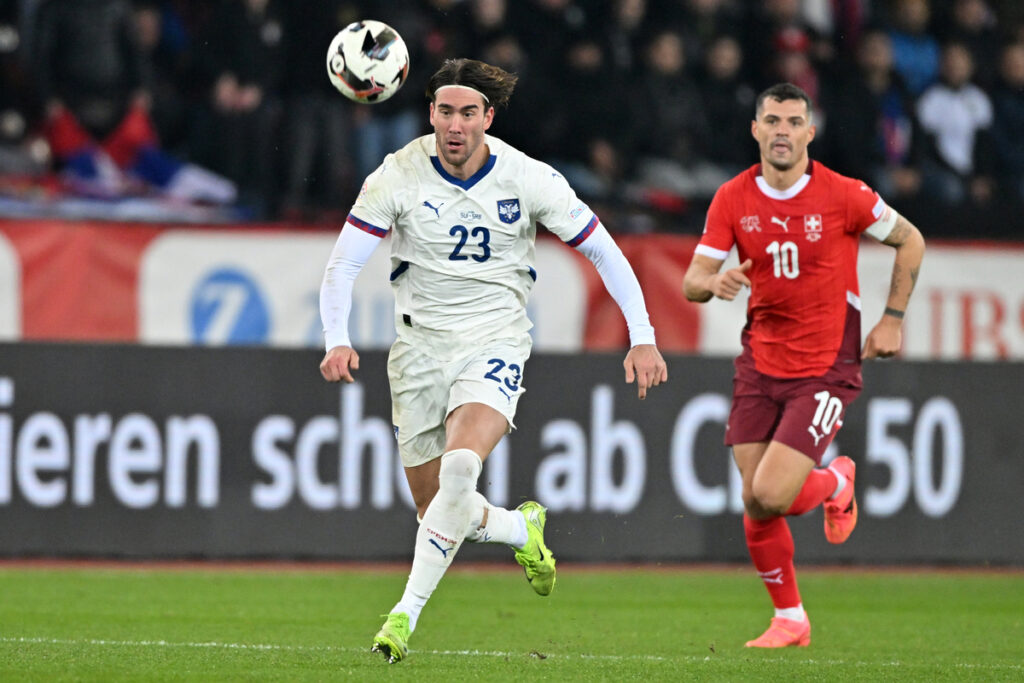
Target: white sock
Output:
[
  {"x": 492, "y": 524},
  {"x": 793, "y": 613},
  {"x": 840, "y": 485},
  {"x": 444, "y": 526}
]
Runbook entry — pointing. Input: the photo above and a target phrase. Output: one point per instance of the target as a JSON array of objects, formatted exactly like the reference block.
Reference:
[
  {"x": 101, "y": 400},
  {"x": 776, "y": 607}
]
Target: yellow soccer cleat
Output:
[
  {"x": 392, "y": 640},
  {"x": 537, "y": 560}
]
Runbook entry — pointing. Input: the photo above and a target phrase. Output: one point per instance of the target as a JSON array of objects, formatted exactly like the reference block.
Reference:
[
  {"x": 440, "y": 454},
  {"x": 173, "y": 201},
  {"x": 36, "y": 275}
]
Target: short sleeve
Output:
[
  {"x": 719, "y": 236},
  {"x": 557, "y": 207},
  {"x": 867, "y": 211},
  {"x": 375, "y": 209}
]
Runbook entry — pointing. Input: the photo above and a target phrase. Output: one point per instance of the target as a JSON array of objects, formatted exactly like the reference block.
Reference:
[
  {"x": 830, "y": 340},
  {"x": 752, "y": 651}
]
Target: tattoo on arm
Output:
[
  {"x": 894, "y": 312},
  {"x": 899, "y": 232},
  {"x": 897, "y": 275}
]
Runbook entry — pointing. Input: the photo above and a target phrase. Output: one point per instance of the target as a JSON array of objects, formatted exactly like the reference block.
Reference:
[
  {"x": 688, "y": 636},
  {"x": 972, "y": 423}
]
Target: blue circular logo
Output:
[{"x": 229, "y": 308}]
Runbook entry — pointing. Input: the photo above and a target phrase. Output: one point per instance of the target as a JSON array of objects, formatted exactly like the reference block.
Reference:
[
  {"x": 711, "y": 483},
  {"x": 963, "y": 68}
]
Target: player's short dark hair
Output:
[
  {"x": 495, "y": 83},
  {"x": 783, "y": 92}
]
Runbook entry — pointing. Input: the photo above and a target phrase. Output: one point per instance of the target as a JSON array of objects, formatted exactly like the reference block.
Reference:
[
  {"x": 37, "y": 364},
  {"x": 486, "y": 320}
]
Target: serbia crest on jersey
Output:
[
  {"x": 462, "y": 251},
  {"x": 803, "y": 244}
]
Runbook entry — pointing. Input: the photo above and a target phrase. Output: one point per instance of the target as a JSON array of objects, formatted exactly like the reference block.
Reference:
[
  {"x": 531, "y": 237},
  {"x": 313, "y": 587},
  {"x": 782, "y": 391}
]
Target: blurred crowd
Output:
[{"x": 645, "y": 105}]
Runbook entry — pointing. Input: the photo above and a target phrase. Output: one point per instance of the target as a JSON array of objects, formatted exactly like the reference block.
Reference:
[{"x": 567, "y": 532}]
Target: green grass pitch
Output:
[{"x": 108, "y": 623}]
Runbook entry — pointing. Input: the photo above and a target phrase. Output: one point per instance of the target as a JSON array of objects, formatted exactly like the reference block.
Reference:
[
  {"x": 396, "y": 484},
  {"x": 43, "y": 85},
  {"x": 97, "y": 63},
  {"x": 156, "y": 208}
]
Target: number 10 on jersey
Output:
[{"x": 785, "y": 259}]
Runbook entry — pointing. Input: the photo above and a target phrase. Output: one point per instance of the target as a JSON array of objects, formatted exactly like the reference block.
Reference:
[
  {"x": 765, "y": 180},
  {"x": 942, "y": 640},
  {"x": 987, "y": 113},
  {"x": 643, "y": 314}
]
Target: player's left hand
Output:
[
  {"x": 645, "y": 364},
  {"x": 884, "y": 340}
]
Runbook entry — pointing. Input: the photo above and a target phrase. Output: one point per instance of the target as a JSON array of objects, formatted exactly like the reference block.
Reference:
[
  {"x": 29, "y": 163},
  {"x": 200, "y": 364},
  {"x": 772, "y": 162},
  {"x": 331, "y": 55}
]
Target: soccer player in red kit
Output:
[{"x": 796, "y": 226}]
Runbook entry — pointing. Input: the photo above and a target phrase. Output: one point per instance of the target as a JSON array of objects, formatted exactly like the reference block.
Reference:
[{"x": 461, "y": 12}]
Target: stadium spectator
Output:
[
  {"x": 389, "y": 125},
  {"x": 17, "y": 158},
  {"x": 796, "y": 225},
  {"x": 780, "y": 41},
  {"x": 956, "y": 115},
  {"x": 594, "y": 138},
  {"x": 973, "y": 24},
  {"x": 161, "y": 36},
  {"x": 792, "y": 62},
  {"x": 241, "y": 60},
  {"x": 672, "y": 129},
  {"x": 915, "y": 50},
  {"x": 319, "y": 176},
  {"x": 547, "y": 26},
  {"x": 872, "y": 130},
  {"x": 522, "y": 124},
  {"x": 625, "y": 31},
  {"x": 1008, "y": 120},
  {"x": 463, "y": 331},
  {"x": 698, "y": 22},
  {"x": 483, "y": 22},
  {"x": 98, "y": 103},
  {"x": 280, "y": 151},
  {"x": 728, "y": 101}
]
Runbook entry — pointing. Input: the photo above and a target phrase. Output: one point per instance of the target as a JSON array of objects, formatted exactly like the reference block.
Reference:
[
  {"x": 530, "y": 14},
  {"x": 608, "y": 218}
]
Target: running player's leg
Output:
[
  {"x": 772, "y": 476},
  {"x": 446, "y": 518},
  {"x": 812, "y": 416},
  {"x": 419, "y": 398},
  {"x": 493, "y": 378}
]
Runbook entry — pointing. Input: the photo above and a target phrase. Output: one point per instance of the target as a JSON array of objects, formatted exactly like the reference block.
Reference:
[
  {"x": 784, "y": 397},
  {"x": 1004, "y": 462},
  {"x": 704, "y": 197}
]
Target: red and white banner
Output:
[{"x": 258, "y": 285}]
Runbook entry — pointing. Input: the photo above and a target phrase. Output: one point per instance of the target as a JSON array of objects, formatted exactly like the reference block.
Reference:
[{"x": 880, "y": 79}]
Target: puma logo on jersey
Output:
[
  {"x": 783, "y": 223},
  {"x": 436, "y": 210}
]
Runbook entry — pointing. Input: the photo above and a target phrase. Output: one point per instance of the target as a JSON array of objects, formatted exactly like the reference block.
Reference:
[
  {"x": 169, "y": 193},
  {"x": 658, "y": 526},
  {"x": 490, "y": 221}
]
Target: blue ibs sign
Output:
[{"x": 229, "y": 308}]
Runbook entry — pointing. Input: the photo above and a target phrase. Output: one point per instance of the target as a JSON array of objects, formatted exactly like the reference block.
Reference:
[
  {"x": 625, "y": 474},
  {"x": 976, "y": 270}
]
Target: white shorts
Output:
[{"x": 425, "y": 390}]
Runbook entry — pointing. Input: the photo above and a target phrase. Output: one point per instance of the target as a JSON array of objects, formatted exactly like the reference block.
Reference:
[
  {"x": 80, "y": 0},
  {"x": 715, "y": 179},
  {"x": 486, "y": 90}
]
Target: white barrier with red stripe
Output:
[{"x": 259, "y": 285}]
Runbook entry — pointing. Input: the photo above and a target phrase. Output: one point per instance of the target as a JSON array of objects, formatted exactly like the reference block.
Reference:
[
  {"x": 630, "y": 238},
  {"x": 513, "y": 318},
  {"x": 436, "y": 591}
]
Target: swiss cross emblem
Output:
[
  {"x": 750, "y": 224},
  {"x": 812, "y": 227}
]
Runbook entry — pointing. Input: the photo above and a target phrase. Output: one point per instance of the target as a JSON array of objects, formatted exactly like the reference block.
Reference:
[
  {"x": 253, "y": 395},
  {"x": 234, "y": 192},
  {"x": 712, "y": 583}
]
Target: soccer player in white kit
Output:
[{"x": 463, "y": 207}]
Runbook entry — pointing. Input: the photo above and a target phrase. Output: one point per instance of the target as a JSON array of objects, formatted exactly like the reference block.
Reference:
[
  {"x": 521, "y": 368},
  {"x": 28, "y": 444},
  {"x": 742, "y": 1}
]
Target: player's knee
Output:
[
  {"x": 459, "y": 471},
  {"x": 766, "y": 501}
]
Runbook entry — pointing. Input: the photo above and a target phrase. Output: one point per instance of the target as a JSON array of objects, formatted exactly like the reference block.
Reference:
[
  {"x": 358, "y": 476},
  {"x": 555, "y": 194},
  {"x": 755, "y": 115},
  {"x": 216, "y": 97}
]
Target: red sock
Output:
[
  {"x": 771, "y": 549},
  {"x": 818, "y": 486}
]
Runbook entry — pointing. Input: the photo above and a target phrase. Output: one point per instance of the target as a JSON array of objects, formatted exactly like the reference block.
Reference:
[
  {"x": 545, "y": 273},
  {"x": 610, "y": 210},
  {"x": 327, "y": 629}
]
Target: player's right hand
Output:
[
  {"x": 338, "y": 364},
  {"x": 728, "y": 284}
]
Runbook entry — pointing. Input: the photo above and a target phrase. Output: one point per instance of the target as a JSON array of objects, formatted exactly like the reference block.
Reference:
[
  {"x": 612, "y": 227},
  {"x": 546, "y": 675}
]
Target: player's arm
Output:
[
  {"x": 703, "y": 279},
  {"x": 350, "y": 254},
  {"x": 643, "y": 362},
  {"x": 886, "y": 337}
]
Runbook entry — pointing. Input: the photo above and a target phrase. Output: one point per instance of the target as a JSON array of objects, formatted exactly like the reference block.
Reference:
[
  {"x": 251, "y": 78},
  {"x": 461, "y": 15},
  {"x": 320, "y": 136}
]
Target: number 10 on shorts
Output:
[{"x": 829, "y": 410}]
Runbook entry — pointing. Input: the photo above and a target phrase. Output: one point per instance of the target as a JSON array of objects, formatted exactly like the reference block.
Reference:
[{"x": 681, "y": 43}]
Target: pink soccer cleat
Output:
[
  {"x": 784, "y": 633},
  {"x": 841, "y": 513}
]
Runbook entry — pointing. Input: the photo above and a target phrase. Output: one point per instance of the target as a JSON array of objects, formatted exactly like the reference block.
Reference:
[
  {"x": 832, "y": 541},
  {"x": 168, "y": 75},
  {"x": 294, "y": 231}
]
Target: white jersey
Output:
[{"x": 462, "y": 251}]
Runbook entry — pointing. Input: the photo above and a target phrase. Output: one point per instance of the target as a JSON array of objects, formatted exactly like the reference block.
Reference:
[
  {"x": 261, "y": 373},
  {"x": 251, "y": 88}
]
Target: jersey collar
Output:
[
  {"x": 471, "y": 180},
  {"x": 791, "y": 191}
]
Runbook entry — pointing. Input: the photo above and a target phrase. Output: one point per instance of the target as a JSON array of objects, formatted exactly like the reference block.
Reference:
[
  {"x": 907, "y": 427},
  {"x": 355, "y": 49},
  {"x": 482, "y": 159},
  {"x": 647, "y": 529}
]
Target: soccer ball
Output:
[{"x": 368, "y": 61}]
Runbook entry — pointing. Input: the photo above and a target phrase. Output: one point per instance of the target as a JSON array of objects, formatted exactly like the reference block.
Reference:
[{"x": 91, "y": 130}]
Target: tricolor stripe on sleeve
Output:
[
  {"x": 879, "y": 208},
  {"x": 366, "y": 227},
  {"x": 584, "y": 233}
]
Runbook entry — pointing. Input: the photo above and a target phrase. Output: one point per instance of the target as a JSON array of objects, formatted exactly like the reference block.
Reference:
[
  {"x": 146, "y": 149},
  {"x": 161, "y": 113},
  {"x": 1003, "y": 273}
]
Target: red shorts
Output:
[{"x": 804, "y": 414}]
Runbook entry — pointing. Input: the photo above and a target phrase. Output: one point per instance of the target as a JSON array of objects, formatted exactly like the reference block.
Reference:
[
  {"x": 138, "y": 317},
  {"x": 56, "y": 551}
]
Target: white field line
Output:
[{"x": 263, "y": 647}]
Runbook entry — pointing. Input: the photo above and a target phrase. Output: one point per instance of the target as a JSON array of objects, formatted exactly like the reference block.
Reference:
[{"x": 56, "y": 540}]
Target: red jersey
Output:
[{"x": 803, "y": 243}]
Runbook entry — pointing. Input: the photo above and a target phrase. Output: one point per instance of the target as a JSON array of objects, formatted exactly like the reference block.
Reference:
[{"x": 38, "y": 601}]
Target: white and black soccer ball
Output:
[{"x": 368, "y": 61}]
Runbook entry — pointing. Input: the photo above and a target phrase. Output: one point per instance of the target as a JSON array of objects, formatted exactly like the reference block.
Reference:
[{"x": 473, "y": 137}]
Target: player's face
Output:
[
  {"x": 783, "y": 131},
  {"x": 460, "y": 116}
]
